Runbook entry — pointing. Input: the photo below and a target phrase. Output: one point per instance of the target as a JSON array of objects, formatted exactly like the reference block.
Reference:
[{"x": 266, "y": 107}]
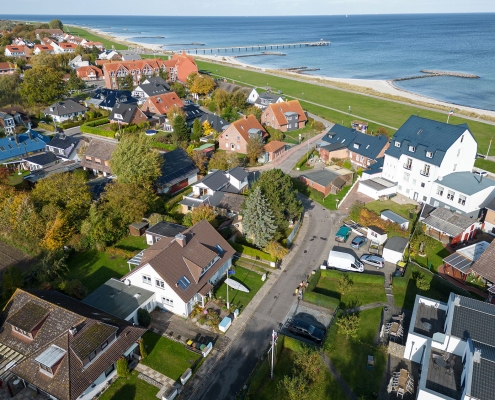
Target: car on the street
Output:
[
  {"x": 358, "y": 241},
  {"x": 373, "y": 260},
  {"x": 303, "y": 328},
  {"x": 343, "y": 234},
  {"x": 481, "y": 173}
]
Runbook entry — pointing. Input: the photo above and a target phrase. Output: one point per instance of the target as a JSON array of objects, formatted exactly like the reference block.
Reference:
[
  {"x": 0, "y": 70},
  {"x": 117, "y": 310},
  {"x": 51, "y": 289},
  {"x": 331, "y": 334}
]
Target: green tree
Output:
[
  {"x": 12, "y": 280},
  {"x": 179, "y": 89},
  {"x": 75, "y": 83},
  {"x": 203, "y": 212},
  {"x": 125, "y": 82},
  {"x": 163, "y": 73},
  {"x": 319, "y": 126},
  {"x": 254, "y": 111},
  {"x": 202, "y": 85},
  {"x": 277, "y": 187},
  {"x": 421, "y": 282},
  {"x": 275, "y": 249},
  {"x": 144, "y": 317},
  {"x": 9, "y": 89},
  {"x": 345, "y": 284},
  {"x": 295, "y": 386},
  {"x": 134, "y": 161},
  {"x": 222, "y": 98},
  {"x": 180, "y": 130},
  {"x": 254, "y": 150},
  {"x": 223, "y": 160},
  {"x": 275, "y": 134},
  {"x": 52, "y": 265},
  {"x": 189, "y": 79},
  {"x": 238, "y": 99},
  {"x": 200, "y": 160},
  {"x": 308, "y": 363},
  {"x": 197, "y": 130},
  {"x": 349, "y": 324},
  {"x": 258, "y": 222},
  {"x": 229, "y": 113},
  {"x": 122, "y": 367},
  {"x": 45, "y": 59},
  {"x": 56, "y": 24},
  {"x": 142, "y": 348},
  {"x": 42, "y": 85}
]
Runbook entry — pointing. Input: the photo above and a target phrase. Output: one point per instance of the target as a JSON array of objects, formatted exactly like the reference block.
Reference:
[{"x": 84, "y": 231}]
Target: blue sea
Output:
[{"x": 362, "y": 46}]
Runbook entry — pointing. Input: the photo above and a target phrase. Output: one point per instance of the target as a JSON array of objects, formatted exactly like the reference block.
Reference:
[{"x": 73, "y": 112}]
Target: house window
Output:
[
  {"x": 109, "y": 370},
  {"x": 97, "y": 161},
  {"x": 408, "y": 163},
  {"x": 92, "y": 355},
  {"x": 46, "y": 368},
  {"x": 397, "y": 144},
  {"x": 450, "y": 195},
  {"x": 462, "y": 200},
  {"x": 408, "y": 190},
  {"x": 147, "y": 279},
  {"x": 462, "y": 138},
  {"x": 238, "y": 138},
  {"x": 424, "y": 198},
  {"x": 455, "y": 167},
  {"x": 238, "y": 147},
  {"x": 406, "y": 176},
  {"x": 458, "y": 152},
  {"x": 168, "y": 302},
  {"x": 88, "y": 158},
  {"x": 429, "y": 154},
  {"x": 425, "y": 171},
  {"x": 400, "y": 187},
  {"x": 159, "y": 283},
  {"x": 227, "y": 145},
  {"x": 439, "y": 190},
  {"x": 422, "y": 184},
  {"x": 104, "y": 344},
  {"x": 412, "y": 149}
]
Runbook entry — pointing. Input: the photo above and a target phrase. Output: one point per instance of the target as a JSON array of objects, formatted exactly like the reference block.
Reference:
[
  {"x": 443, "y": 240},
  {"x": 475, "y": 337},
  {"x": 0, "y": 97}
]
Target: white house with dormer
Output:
[{"x": 423, "y": 151}]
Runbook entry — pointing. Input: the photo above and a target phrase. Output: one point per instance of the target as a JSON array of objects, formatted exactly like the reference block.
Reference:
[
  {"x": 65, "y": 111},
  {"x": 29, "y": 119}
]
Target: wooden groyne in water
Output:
[
  {"x": 298, "y": 70},
  {"x": 430, "y": 73},
  {"x": 264, "y": 53}
]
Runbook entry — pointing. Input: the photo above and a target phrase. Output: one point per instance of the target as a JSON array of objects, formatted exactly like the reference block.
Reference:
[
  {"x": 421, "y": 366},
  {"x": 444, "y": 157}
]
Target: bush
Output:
[
  {"x": 122, "y": 367},
  {"x": 304, "y": 159},
  {"x": 252, "y": 252},
  {"x": 117, "y": 252},
  {"x": 173, "y": 201},
  {"x": 91, "y": 127},
  {"x": 142, "y": 349},
  {"x": 46, "y": 127},
  {"x": 144, "y": 317}
]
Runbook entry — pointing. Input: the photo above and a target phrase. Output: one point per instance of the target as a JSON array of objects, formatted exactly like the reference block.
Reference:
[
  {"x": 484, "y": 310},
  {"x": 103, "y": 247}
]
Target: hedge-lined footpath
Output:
[
  {"x": 252, "y": 252},
  {"x": 91, "y": 127}
]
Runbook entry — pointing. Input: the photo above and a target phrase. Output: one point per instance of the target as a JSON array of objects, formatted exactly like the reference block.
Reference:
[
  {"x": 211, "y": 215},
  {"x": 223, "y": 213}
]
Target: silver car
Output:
[{"x": 373, "y": 260}]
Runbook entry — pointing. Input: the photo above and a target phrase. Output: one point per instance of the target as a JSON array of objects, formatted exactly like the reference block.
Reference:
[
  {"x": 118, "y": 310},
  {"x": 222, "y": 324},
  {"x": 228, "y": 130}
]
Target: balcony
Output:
[
  {"x": 408, "y": 166},
  {"x": 425, "y": 173}
]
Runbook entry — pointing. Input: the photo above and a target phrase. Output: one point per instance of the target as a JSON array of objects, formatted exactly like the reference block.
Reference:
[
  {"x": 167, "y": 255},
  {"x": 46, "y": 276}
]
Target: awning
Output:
[
  {"x": 130, "y": 349},
  {"x": 492, "y": 289},
  {"x": 8, "y": 358},
  {"x": 136, "y": 260},
  {"x": 459, "y": 262}
]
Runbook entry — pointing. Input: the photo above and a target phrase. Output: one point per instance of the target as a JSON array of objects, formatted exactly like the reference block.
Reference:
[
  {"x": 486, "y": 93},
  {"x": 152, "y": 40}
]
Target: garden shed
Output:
[{"x": 393, "y": 251}]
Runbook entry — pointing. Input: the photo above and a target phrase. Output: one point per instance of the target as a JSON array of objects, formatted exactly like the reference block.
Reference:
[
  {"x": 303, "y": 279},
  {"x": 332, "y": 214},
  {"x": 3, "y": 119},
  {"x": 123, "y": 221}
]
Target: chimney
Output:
[
  {"x": 181, "y": 239},
  {"x": 477, "y": 356},
  {"x": 481, "y": 178},
  {"x": 245, "y": 116},
  {"x": 30, "y": 134},
  {"x": 73, "y": 331}
]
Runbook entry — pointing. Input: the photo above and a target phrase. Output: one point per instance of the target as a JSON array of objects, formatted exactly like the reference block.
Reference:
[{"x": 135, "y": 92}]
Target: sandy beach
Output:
[{"x": 380, "y": 88}]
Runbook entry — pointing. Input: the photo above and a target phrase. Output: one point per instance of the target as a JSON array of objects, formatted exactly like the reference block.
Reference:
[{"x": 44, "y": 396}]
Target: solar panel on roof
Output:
[{"x": 184, "y": 283}]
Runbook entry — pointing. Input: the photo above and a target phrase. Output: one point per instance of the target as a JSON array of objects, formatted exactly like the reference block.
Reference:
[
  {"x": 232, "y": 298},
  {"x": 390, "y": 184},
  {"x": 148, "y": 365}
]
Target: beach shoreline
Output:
[{"x": 379, "y": 88}]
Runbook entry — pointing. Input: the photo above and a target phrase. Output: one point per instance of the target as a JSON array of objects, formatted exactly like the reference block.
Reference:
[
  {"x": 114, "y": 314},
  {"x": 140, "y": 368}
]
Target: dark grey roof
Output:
[
  {"x": 176, "y": 167},
  {"x": 62, "y": 141},
  {"x": 396, "y": 243},
  {"x": 272, "y": 98},
  {"x": 64, "y": 107},
  {"x": 214, "y": 180},
  {"x": 216, "y": 122},
  {"x": 108, "y": 97},
  {"x": 192, "y": 111},
  {"x": 127, "y": 111},
  {"x": 459, "y": 262},
  {"x": 491, "y": 205},
  {"x": 117, "y": 298},
  {"x": 357, "y": 142},
  {"x": 465, "y": 182},
  {"x": 425, "y": 135},
  {"x": 377, "y": 229},
  {"x": 231, "y": 201},
  {"x": 63, "y": 166},
  {"x": 154, "y": 86},
  {"x": 377, "y": 183},
  {"x": 377, "y": 166},
  {"x": 166, "y": 229},
  {"x": 394, "y": 217},
  {"x": 474, "y": 319},
  {"x": 322, "y": 177},
  {"x": 427, "y": 209},
  {"x": 482, "y": 383},
  {"x": 487, "y": 352},
  {"x": 333, "y": 146},
  {"x": 238, "y": 173},
  {"x": 42, "y": 159},
  {"x": 451, "y": 223}
]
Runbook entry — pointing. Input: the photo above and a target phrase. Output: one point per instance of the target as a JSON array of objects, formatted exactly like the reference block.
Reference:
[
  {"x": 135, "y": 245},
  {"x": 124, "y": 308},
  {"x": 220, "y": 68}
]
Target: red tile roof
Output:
[
  {"x": 279, "y": 109},
  {"x": 274, "y": 146},
  {"x": 244, "y": 124},
  {"x": 161, "y": 104}
]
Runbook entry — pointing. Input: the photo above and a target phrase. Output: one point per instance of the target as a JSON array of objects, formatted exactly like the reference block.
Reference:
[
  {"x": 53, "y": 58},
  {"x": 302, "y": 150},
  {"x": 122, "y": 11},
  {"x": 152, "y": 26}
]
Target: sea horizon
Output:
[{"x": 363, "y": 46}]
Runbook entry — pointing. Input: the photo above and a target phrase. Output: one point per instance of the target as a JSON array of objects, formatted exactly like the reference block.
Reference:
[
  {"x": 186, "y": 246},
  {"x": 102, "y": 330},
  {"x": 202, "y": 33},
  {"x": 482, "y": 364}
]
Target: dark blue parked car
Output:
[{"x": 358, "y": 241}]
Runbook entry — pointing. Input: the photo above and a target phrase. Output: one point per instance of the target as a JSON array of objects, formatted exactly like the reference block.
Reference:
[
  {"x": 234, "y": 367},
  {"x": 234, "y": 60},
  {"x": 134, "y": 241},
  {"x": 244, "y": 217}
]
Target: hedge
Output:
[
  {"x": 358, "y": 278},
  {"x": 252, "y": 252},
  {"x": 304, "y": 159},
  {"x": 163, "y": 146},
  {"x": 90, "y": 127},
  {"x": 46, "y": 127},
  {"x": 172, "y": 202},
  {"x": 321, "y": 300},
  {"x": 97, "y": 122}
]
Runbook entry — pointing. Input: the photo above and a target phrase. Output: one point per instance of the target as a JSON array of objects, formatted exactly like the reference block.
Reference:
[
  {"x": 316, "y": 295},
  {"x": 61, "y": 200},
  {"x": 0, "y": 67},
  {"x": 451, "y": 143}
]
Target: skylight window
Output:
[
  {"x": 429, "y": 154},
  {"x": 397, "y": 144},
  {"x": 183, "y": 283},
  {"x": 412, "y": 149}
]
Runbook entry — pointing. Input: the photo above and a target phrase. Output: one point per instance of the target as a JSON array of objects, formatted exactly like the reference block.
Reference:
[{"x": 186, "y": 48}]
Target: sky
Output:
[{"x": 243, "y": 7}]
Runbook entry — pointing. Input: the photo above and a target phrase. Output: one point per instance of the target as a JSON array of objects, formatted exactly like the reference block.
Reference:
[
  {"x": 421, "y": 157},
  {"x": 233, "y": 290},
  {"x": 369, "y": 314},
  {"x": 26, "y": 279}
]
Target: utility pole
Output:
[
  {"x": 272, "y": 349},
  {"x": 489, "y": 145},
  {"x": 227, "y": 282}
]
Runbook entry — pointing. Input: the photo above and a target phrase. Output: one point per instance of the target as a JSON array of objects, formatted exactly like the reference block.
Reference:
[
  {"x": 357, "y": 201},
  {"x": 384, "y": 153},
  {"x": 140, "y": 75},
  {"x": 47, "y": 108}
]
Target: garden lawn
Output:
[
  {"x": 384, "y": 111},
  {"x": 487, "y": 165},
  {"x": 76, "y": 31},
  {"x": 359, "y": 294},
  {"x": 93, "y": 268},
  {"x": 263, "y": 388},
  {"x": 350, "y": 356},
  {"x": 16, "y": 180},
  {"x": 434, "y": 254},
  {"x": 250, "y": 279},
  {"x": 329, "y": 202},
  {"x": 130, "y": 389},
  {"x": 378, "y": 206},
  {"x": 167, "y": 356}
]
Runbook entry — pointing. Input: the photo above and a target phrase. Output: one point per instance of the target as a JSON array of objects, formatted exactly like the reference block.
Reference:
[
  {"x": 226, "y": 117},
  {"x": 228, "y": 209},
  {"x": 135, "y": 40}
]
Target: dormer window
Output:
[
  {"x": 397, "y": 144},
  {"x": 429, "y": 154},
  {"x": 356, "y": 145},
  {"x": 50, "y": 360},
  {"x": 412, "y": 149}
]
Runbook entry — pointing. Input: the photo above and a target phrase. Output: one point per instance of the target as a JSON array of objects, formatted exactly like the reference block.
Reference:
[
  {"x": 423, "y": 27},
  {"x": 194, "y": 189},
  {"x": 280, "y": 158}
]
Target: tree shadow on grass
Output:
[
  {"x": 150, "y": 340},
  {"x": 127, "y": 392}
]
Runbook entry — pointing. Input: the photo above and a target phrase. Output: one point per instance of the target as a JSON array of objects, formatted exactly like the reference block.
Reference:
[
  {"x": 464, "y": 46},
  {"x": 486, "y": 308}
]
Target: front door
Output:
[{"x": 415, "y": 197}]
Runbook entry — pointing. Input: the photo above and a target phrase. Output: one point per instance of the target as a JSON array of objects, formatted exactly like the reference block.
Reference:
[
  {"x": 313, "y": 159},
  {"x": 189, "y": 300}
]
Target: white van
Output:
[{"x": 343, "y": 262}]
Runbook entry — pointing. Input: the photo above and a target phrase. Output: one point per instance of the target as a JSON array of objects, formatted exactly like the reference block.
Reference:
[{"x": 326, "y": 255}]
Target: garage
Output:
[{"x": 393, "y": 251}]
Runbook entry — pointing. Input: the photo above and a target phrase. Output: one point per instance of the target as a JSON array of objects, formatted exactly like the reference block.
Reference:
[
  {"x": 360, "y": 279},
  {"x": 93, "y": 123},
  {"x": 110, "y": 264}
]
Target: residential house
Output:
[
  {"x": 212, "y": 189},
  {"x": 107, "y": 98},
  {"x": 51, "y": 339},
  {"x": 21, "y": 118},
  {"x": 265, "y": 99},
  {"x": 362, "y": 150},
  {"x": 150, "y": 87},
  {"x": 125, "y": 114},
  {"x": 78, "y": 62},
  {"x": 178, "y": 172},
  {"x": 126, "y": 56},
  {"x": 236, "y": 136},
  {"x": 40, "y": 161},
  {"x": 180, "y": 66},
  {"x": 460, "y": 264},
  {"x": 183, "y": 270},
  {"x": 484, "y": 266},
  {"x": 377, "y": 187},
  {"x": 65, "y": 147},
  {"x": 375, "y": 170},
  {"x": 121, "y": 300},
  {"x": 377, "y": 235},
  {"x": 89, "y": 73},
  {"x": 422, "y": 151},
  {"x": 463, "y": 192},
  {"x": 360, "y": 126},
  {"x": 7, "y": 122},
  {"x": 208, "y": 149},
  {"x": 388, "y": 215},
  {"x": 273, "y": 150},
  {"x": 163, "y": 230},
  {"x": 97, "y": 157},
  {"x": 216, "y": 122},
  {"x": 394, "y": 248},
  {"x": 160, "y": 105},
  {"x": 192, "y": 111},
  {"x": 327, "y": 181},
  {"x": 139, "y": 69},
  {"x": 62, "y": 166},
  {"x": 42, "y": 48},
  {"x": 489, "y": 217},
  {"x": 65, "y": 110},
  {"x": 110, "y": 55},
  {"x": 285, "y": 116},
  {"x": 15, "y": 51},
  {"x": 252, "y": 96},
  {"x": 6, "y": 68},
  {"x": 450, "y": 226},
  {"x": 90, "y": 45},
  {"x": 455, "y": 347},
  {"x": 63, "y": 47},
  {"x": 41, "y": 33},
  {"x": 15, "y": 146}
]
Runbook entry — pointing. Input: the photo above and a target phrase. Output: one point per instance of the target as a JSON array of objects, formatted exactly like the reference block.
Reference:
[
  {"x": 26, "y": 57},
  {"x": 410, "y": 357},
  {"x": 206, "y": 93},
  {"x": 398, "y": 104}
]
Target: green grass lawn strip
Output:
[
  {"x": 130, "y": 389},
  {"x": 76, "y": 31}
]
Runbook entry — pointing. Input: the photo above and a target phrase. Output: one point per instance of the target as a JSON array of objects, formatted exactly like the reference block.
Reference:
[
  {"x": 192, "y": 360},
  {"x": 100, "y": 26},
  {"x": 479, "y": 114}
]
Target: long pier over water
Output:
[{"x": 253, "y": 47}]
